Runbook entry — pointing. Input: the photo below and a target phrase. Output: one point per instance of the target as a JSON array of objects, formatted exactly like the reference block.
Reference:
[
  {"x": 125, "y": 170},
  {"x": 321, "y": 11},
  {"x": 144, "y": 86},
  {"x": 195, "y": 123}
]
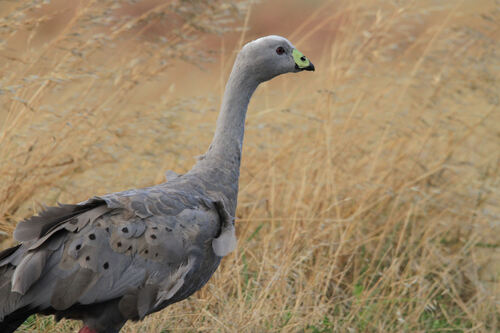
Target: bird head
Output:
[{"x": 271, "y": 56}]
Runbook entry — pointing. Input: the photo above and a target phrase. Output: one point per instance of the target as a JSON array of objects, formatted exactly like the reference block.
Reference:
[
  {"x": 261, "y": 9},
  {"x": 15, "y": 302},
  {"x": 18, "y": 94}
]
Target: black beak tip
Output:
[{"x": 308, "y": 68}]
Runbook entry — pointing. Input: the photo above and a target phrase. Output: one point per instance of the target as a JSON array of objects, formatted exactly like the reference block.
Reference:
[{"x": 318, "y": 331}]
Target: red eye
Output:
[{"x": 280, "y": 50}]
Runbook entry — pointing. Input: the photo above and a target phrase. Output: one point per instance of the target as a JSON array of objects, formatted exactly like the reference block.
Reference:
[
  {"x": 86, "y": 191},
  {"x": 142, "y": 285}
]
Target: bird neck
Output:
[
  {"x": 221, "y": 162},
  {"x": 225, "y": 149},
  {"x": 230, "y": 129}
]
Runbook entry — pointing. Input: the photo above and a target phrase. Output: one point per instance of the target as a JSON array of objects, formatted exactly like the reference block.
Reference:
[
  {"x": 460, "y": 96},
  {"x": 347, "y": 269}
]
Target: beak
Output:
[
  {"x": 309, "y": 68},
  {"x": 301, "y": 62}
]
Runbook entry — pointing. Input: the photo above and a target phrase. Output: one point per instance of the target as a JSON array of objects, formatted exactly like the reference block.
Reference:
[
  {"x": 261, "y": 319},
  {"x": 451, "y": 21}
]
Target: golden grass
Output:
[{"x": 369, "y": 195}]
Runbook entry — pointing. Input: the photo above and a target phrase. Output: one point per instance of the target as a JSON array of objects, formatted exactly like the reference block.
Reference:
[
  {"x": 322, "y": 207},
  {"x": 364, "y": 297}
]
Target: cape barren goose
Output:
[{"x": 125, "y": 255}]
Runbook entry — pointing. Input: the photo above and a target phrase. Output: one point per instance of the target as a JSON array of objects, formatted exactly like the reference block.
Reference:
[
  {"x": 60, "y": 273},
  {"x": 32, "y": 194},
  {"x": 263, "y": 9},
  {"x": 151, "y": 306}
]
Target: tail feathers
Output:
[
  {"x": 14, "y": 309},
  {"x": 7, "y": 252},
  {"x": 11, "y": 322},
  {"x": 10, "y": 302}
]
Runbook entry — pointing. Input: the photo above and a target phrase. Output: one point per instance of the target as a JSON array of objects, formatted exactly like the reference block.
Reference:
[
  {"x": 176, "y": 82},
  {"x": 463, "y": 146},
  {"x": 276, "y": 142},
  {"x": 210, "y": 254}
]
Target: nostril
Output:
[{"x": 303, "y": 58}]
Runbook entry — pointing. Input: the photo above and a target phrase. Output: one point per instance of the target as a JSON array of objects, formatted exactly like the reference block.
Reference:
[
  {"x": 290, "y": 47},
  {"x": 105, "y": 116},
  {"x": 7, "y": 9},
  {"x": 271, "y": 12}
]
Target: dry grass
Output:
[{"x": 370, "y": 190}]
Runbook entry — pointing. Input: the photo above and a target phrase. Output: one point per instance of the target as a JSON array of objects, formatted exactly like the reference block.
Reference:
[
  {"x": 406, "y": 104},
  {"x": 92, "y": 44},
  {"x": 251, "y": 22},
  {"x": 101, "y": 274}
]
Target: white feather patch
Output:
[{"x": 226, "y": 242}]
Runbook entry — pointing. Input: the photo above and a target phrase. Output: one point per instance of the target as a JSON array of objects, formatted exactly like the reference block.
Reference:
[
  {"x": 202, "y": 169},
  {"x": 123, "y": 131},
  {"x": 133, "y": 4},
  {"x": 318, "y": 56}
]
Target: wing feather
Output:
[{"x": 136, "y": 245}]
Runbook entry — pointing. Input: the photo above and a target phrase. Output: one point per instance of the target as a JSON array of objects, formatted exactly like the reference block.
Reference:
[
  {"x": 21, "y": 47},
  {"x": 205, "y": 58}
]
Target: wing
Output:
[{"x": 137, "y": 246}]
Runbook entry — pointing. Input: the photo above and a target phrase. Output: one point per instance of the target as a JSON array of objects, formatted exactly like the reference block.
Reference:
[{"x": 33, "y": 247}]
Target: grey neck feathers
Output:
[
  {"x": 228, "y": 138},
  {"x": 224, "y": 153}
]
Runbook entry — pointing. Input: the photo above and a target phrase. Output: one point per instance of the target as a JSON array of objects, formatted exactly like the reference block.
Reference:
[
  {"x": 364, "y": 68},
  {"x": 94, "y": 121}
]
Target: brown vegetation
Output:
[{"x": 370, "y": 190}]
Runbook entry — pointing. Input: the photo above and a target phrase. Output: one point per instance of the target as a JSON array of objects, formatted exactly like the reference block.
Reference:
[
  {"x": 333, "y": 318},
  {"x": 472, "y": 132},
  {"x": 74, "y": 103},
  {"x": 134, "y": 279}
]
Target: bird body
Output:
[{"x": 125, "y": 255}]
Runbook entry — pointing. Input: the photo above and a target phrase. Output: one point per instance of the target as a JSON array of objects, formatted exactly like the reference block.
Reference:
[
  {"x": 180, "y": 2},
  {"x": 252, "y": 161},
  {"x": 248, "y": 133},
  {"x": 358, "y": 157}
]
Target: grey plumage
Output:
[{"x": 125, "y": 255}]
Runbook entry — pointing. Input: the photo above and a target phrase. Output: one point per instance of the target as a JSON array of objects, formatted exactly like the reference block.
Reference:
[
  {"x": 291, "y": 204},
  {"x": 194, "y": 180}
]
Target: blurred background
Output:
[{"x": 370, "y": 190}]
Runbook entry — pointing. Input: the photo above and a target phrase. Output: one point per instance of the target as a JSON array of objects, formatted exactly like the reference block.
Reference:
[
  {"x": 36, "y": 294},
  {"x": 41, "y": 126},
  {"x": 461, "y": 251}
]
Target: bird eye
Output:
[{"x": 280, "y": 50}]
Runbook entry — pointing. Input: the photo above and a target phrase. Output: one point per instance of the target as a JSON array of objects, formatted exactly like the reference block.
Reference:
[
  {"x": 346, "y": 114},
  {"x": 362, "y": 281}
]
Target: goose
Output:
[{"x": 124, "y": 255}]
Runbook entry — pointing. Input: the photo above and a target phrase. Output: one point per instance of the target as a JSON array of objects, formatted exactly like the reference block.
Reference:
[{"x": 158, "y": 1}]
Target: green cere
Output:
[{"x": 300, "y": 59}]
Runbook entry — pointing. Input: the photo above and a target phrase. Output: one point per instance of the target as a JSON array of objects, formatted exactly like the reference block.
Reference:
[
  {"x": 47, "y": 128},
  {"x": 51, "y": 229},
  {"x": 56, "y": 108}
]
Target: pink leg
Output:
[{"x": 85, "y": 329}]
